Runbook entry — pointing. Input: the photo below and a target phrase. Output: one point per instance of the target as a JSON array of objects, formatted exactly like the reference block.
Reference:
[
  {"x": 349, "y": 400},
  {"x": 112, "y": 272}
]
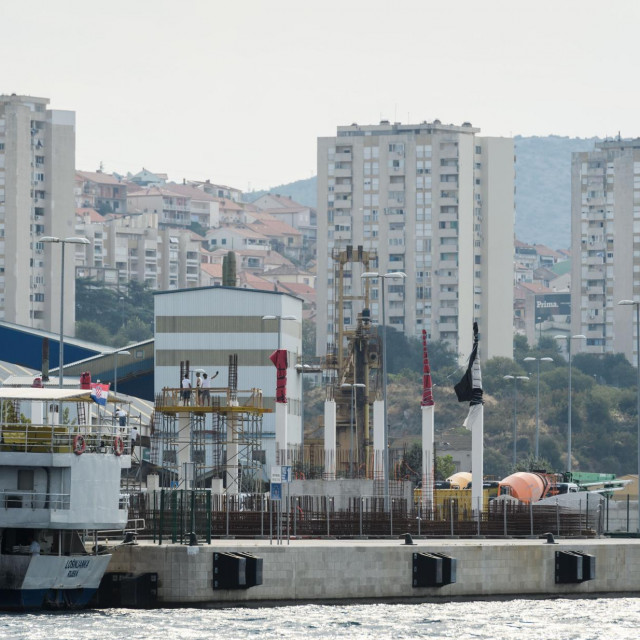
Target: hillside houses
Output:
[{"x": 143, "y": 227}]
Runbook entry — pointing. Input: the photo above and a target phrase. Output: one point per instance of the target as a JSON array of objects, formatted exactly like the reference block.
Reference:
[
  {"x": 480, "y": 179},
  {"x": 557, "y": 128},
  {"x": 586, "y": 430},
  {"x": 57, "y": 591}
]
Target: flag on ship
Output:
[{"x": 100, "y": 393}]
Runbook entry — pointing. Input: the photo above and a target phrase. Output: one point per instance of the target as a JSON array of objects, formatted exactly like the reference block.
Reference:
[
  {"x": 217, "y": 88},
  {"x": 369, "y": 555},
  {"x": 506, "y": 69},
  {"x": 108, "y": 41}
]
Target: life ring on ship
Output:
[
  {"x": 118, "y": 446},
  {"x": 79, "y": 445}
]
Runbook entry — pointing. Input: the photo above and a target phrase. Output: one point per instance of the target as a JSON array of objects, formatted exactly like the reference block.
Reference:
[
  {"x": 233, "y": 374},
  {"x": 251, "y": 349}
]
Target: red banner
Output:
[{"x": 279, "y": 359}]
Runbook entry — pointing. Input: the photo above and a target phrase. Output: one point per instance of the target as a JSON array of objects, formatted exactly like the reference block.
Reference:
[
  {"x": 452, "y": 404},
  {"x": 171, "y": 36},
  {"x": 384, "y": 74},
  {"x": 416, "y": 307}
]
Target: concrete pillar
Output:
[
  {"x": 427, "y": 457},
  {"x": 330, "y": 440},
  {"x": 378, "y": 440}
]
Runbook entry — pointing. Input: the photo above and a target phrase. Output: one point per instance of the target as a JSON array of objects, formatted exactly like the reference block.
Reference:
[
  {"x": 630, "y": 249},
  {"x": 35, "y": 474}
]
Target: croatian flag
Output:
[{"x": 99, "y": 393}]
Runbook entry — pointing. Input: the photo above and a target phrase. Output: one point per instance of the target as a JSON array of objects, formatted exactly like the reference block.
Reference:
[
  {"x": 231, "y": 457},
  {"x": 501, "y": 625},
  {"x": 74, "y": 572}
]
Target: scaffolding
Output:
[{"x": 200, "y": 439}]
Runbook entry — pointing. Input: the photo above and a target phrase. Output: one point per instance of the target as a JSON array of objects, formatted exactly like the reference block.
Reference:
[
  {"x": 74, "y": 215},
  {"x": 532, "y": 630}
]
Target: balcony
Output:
[
  {"x": 343, "y": 188},
  {"x": 343, "y": 204}
]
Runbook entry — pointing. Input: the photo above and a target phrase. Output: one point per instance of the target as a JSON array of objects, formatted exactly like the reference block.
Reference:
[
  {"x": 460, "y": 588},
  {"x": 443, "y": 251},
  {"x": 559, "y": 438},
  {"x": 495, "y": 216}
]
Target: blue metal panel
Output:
[{"x": 24, "y": 348}]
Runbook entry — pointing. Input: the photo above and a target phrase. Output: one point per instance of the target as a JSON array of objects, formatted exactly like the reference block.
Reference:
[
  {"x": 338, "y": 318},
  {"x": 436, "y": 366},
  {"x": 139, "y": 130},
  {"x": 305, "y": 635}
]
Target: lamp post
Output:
[
  {"x": 539, "y": 319},
  {"x": 538, "y": 361},
  {"x": 515, "y": 411},
  {"x": 121, "y": 299},
  {"x": 124, "y": 352},
  {"x": 636, "y": 304},
  {"x": 569, "y": 339},
  {"x": 63, "y": 242},
  {"x": 353, "y": 387},
  {"x": 385, "y": 453}
]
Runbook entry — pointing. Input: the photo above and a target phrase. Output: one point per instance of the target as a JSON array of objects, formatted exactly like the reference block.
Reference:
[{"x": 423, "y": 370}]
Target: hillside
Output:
[{"x": 543, "y": 188}]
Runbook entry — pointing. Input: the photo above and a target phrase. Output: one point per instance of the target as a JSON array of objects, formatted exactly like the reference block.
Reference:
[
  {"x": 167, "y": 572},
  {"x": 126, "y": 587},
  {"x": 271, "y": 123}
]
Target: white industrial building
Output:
[{"x": 205, "y": 326}]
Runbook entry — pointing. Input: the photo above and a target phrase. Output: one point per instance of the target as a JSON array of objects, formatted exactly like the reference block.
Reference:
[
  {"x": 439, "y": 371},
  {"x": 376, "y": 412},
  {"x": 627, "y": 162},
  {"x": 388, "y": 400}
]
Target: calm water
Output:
[{"x": 597, "y": 619}]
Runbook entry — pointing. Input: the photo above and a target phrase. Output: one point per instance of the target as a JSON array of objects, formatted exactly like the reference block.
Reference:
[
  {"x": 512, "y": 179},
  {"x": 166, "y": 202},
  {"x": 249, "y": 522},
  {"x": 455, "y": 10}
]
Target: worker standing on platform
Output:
[
  {"x": 133, "y": 434},
  {"x": 198, "y": 389},
  {"x": 206, "y": 390},
  {"x": 186, "y": 390}
]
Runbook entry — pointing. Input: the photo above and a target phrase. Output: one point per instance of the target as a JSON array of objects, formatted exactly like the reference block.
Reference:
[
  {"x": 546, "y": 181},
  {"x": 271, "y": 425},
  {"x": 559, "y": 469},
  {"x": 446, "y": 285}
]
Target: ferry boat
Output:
[{"x": 61, "y": 459}]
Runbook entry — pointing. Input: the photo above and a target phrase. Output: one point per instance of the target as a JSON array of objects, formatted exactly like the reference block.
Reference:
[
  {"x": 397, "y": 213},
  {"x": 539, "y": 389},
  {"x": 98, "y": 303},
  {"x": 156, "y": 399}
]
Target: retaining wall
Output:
[{"x": 330, "y": 569}]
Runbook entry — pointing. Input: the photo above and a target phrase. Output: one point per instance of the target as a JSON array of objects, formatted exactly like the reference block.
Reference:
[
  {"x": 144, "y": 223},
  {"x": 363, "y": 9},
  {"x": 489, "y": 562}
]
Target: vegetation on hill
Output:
[
  {"x": 113, "y": 318},
  {"x": 604, "y": 418}
]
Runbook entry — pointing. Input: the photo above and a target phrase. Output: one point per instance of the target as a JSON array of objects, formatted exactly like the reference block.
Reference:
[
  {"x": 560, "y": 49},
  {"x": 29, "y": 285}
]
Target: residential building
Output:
[
  {"x": 435, "y": 202},
  {"x": 173, "y": 209},
  {"x": 236, "y": 237},
  {"x": 297, "y": 215},
  {"x": 100, "y": 191},
  {"x": 37, "y": 170},
  {"x": 283, "y": 238},
  {"x": 605, "y": 245}
]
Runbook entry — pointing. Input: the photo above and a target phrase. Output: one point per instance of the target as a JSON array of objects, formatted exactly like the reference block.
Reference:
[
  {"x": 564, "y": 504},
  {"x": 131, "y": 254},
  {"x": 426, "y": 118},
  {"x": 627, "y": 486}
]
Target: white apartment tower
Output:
[
  {"x": 434, "y": 201},
  {"x": 37, "y": 158},
  {"x": 605, "y": 245}
]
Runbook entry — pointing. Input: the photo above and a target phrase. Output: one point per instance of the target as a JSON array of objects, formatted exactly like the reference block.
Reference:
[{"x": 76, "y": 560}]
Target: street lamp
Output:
[
  {"x": 353, "y": 387},
  {"x": 637, "y": 306},
  {"x": 390, "y": 275},
  {"x": 121, "y": 299},
  {"x": 515, "y": 411},
  {"x": 569, "y": 339},
  {"x": 124, "y": 352},
  {"x": 538, "y": 361},
  {"x": 63, "y": 242}
]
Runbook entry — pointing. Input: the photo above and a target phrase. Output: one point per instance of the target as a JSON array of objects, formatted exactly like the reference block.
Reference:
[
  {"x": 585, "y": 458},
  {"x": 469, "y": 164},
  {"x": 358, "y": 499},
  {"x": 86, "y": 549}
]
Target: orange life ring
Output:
[
  {"x": 118, "y": 445},
  {"x": 79, "y": 445}
]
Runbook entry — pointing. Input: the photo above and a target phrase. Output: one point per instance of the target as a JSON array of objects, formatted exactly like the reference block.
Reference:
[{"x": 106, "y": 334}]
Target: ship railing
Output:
[
  {"x": 103, "y": 438},
  {"x": 16, "y": 499}
]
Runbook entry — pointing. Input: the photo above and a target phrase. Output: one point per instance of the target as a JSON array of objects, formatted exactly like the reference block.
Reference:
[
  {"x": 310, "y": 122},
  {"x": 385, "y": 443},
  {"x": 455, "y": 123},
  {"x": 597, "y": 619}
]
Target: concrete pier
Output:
[{"x": 328, "y": 570}]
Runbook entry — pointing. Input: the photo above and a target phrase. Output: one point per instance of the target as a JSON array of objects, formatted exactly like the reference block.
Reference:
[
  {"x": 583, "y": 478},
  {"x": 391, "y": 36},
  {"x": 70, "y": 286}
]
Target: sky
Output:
[{"x": 238, "y": 91}]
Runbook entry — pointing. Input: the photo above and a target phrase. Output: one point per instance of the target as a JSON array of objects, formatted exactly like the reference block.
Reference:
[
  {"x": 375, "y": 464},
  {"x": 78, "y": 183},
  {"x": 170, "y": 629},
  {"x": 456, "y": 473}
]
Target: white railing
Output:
[{"x": 15, "y": 499}]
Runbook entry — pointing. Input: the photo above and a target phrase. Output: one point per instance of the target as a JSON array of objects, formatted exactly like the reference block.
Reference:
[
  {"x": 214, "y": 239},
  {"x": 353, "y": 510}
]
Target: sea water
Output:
[{"x": 539, "y": 619}]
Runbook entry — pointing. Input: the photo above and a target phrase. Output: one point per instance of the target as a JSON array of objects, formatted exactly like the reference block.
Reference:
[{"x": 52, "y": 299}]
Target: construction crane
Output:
[{"x": 353, "y": 364}]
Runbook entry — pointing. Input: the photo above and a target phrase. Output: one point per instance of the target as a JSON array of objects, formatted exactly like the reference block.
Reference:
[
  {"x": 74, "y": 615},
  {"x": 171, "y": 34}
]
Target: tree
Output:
[
  {"x": 445, "y": 467},
  {"x": 520, "y": 347},
  {"x": 229, "y": 270},
  {"x": 607, "y": 368},
  {"x": 91, "y": 331},
  {"x": 308, "y": 338}
]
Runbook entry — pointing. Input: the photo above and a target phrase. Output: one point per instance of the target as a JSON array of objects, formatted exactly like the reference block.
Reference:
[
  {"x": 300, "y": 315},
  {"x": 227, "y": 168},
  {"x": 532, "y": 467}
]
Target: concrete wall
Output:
[{"x": 326, "y": 570}]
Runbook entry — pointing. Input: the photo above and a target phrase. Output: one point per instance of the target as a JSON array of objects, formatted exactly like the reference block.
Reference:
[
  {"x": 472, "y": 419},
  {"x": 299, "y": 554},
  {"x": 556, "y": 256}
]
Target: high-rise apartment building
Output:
[
  {"x": 605, "y": 245},
  {"x": 37, "y": 158},
  {"x": 434, "y": 201}
]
